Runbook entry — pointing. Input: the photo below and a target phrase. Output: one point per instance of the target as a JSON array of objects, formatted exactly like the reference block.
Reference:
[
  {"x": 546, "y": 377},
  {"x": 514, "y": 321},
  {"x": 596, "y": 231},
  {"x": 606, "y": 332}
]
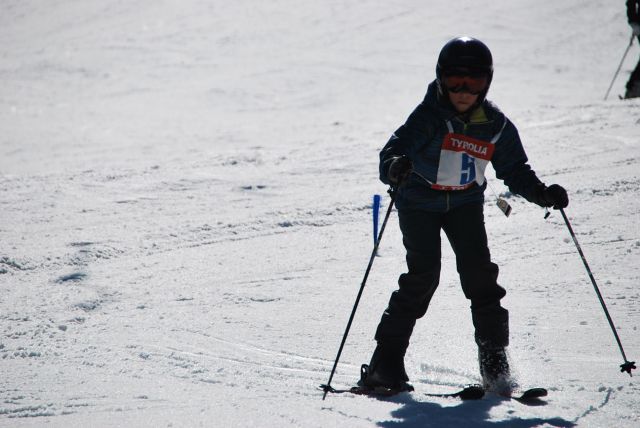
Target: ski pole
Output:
[
  {"x": 327, "y": 388},
  {"x": 628, "y": 365},
  {"x": 620, "y": 66}
]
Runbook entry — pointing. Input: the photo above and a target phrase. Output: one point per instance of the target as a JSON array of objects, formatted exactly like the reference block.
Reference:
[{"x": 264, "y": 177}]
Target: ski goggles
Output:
[{"x": 473, "y": 84}]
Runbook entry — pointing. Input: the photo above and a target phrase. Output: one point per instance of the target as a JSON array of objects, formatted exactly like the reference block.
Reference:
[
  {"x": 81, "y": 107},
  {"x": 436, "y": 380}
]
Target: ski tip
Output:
[
  {"x": 536, "y": 392},
  {"x": 471, "y": 392},
  {"x": 533, "y": 394}
]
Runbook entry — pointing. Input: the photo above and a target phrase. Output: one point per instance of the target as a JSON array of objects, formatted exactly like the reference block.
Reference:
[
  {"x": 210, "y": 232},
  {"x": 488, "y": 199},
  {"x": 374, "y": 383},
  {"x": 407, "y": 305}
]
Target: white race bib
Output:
[{"x": 463, "y": 160}]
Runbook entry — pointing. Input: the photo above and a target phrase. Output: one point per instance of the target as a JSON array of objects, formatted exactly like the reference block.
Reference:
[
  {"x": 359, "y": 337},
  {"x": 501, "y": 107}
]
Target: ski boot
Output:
[
  {"x": 385, "y": 371},
  {"x": 633, "y": 90},
  {"x": 494, "y": 369}
]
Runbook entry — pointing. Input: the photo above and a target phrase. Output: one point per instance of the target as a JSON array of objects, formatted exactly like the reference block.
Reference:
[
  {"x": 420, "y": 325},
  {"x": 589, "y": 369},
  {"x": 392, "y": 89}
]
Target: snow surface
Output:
[{"x": 185, "y": 211}]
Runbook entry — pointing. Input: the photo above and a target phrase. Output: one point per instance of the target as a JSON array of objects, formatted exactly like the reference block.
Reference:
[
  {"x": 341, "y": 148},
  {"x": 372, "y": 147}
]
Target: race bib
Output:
[{"x": 463, "y": 160}]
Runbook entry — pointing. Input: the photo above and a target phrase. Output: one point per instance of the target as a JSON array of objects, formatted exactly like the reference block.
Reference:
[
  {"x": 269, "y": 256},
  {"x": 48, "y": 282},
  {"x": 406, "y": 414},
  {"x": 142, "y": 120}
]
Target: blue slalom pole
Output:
[{"x": 376, "y": 215}]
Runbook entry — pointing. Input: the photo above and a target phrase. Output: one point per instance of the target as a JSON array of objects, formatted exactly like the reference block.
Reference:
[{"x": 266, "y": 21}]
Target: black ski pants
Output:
[
  {"x": 634, "y": 78},
  {"x": 464, "y": 227}
]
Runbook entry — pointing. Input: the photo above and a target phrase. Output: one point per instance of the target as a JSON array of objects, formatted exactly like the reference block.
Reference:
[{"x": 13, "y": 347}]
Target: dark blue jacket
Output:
[{"x": 422, "y": 137}]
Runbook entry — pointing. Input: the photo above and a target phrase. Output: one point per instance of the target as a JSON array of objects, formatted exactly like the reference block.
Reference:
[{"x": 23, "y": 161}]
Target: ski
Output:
[
  {"x": 379, "y": 391},
  {"x": 476, "y": 392},
  {"x": 531, "y": 396}
]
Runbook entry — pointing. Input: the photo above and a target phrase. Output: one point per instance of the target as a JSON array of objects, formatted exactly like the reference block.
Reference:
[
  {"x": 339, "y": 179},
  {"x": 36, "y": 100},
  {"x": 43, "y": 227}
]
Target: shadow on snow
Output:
[{"x": 474, "y": 413}]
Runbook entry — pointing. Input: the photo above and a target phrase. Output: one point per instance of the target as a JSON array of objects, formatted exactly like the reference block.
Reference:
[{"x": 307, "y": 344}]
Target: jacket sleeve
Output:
[
  {"x": 404, "y": 141},
  {"x": 633, "y": 11},
  {"x": 511, "y": 165}
]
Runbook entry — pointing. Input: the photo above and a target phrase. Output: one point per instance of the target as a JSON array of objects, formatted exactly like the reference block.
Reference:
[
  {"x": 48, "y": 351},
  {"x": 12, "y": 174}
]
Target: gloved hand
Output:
[
  {"x": 635, "y": 27},
  {"x": 555, "y": 196},
  {"x": 399, "y": 170}
]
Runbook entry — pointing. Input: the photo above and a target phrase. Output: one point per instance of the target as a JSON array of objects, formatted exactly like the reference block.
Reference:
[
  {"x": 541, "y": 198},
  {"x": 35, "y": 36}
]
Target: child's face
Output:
[{"x": 462, "y": 101}]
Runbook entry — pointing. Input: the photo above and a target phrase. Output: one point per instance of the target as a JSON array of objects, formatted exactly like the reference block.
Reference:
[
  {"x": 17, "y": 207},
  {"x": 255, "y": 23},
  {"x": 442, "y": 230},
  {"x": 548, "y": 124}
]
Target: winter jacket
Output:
[
  {"x": 633, "y": 11},
  {"x": 450, "y": 151}
]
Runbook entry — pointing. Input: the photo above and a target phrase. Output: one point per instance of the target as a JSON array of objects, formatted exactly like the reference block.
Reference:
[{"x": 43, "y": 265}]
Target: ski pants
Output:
[
  {"x": 634, "y": 78},
  {"x": 464, "y": 227}
]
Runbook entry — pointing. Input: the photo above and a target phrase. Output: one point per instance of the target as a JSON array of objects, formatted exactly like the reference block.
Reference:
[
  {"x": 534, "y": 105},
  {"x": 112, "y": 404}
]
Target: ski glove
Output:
[
  {"x": 635, "y": 27},
  {"x": 554, "y": 196},
  {"x": 399, "y": 169}
]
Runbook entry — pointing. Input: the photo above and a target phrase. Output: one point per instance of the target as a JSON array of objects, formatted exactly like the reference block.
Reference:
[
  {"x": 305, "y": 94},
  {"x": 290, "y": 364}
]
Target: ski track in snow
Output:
[{"x": 185, "y": 208}]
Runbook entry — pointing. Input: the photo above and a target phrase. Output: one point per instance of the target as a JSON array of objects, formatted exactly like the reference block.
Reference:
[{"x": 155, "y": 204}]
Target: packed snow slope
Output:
[{"x": 185, "y": 211}]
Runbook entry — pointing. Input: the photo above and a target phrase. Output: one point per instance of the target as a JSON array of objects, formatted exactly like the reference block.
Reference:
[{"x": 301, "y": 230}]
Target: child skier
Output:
[{"x": 436, "y": 163}]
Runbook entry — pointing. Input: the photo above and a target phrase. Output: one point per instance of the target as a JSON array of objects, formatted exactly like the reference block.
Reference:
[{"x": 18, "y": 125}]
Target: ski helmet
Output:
[{"x": 466, "y": 56}]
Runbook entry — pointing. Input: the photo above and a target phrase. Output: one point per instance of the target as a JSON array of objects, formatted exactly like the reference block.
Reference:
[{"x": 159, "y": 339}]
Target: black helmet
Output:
[{"x": 465, "y": 55}]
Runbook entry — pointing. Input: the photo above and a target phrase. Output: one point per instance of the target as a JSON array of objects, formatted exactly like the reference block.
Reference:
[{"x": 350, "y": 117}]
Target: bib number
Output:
[{"x": 468, "y": 169}]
